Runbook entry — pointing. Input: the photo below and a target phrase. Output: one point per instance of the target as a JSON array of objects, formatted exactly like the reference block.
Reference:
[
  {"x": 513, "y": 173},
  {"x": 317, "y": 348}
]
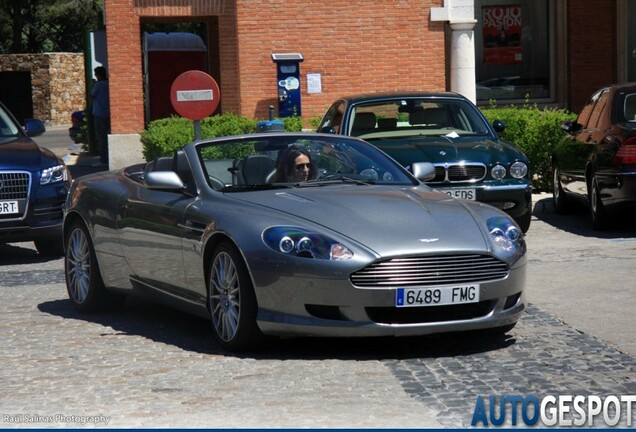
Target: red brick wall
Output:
[
  {"x": 356, "y": 46},
  {"x": 591, "y": 48}
]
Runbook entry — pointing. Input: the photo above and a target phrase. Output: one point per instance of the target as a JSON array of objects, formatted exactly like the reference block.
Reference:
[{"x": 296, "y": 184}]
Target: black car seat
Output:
[{"x": 255, "y": 169}]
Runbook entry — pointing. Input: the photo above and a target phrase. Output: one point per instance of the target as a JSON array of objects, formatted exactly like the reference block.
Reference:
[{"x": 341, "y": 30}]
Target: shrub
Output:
[
  {"x": 536, "y": 132},
  {"x": 162, "y": 137}
]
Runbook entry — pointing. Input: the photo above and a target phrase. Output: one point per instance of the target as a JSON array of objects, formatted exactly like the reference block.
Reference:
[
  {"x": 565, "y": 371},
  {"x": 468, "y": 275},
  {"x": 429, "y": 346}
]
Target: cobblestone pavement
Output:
[{"x": 149, "y": 366}]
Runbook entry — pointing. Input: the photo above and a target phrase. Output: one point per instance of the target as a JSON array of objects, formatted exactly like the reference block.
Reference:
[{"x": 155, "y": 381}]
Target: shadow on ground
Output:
[
  {"x": 165, "y": 325},
  {"x": 577, "y": 220}
]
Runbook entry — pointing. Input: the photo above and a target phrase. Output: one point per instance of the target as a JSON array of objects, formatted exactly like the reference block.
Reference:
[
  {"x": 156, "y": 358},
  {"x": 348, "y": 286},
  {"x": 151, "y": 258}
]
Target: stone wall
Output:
[{"x": 57, "y": 80}]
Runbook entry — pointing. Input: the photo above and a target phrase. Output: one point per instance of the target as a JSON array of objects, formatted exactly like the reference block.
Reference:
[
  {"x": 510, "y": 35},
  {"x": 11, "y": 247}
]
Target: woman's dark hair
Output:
[{"x": 287, "y": 163}]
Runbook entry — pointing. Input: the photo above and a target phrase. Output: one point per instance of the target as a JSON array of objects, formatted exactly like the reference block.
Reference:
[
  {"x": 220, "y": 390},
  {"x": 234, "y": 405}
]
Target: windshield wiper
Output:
[{"x": 333, "y": 179}]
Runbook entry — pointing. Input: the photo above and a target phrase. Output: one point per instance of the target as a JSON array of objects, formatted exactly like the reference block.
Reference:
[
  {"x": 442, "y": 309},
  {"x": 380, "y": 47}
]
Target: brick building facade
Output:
[{"x": 354, "y": 46}]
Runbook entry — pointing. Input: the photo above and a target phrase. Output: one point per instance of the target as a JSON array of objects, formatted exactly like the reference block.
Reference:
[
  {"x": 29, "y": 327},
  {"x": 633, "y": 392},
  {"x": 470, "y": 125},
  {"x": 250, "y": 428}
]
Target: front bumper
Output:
[
  {"x": 513, "y": 197},
  {"x": 319, "y": 306}
]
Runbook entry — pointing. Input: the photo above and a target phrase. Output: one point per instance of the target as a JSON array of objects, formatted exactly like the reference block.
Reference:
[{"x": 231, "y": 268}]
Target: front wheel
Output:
[
  {"x": 597, "y": 209},
  {"x": 232, "y": 301},
  {"x": 84, "y": 282}
]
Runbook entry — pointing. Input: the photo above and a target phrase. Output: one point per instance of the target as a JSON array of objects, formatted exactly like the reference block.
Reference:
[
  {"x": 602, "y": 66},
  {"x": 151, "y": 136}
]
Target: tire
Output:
[
  {"x": 598, "y": 213},
  {"x": 50, "y": 247},
  {"x": 84, "y": 282},
  {"x": 559, "y": 198},
  {"x": 232, "y": 302}
]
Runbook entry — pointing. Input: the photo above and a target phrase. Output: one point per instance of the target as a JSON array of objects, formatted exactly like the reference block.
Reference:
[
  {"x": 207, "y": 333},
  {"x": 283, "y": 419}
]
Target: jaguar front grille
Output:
[
  {"x": 431, "y": 270},
  {"x": 459, "y": 173}
]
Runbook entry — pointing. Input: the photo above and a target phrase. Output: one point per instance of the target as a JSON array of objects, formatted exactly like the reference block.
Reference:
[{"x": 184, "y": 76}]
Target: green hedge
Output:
[
  {"x": 162, "y": 137},
  {"x": 535, "y": 131}
]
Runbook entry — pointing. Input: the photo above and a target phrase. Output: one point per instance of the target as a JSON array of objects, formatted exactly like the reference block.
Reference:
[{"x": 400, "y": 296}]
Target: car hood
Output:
[
  {"x": 382, "y": 217},
  {"x": 442, "y": 149},
  {"x": 24, "y": 154}
]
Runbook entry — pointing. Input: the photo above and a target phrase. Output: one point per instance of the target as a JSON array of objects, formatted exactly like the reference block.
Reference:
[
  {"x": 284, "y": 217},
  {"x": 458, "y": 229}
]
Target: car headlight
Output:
[
  {"x": 54, "y": 174},
  {"x": 498, "y": 172},
  {"x": 518, "y": 170},
  {"x": 506, "y": 236},
  {"x": 304, "y": 243}
]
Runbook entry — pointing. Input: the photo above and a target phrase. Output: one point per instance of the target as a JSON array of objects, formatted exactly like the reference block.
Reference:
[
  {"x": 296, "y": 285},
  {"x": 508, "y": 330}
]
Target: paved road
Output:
[{"x": 148, "y": 366}]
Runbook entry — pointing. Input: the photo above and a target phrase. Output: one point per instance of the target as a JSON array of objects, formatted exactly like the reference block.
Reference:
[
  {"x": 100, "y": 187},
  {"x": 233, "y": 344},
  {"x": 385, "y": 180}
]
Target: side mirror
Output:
[
  {"x": 164, "y": 180},
  {"x": 499, "y": 126},
  {"x": 571, "y": 127},
  {"x": 34, "y": 127},
  {"x": 327, "y": 129},
  {"x": 423, "y": 171}
]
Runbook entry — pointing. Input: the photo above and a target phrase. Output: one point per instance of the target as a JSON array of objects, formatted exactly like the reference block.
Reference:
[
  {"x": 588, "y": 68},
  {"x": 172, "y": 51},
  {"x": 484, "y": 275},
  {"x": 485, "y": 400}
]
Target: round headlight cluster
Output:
[
  {"x": 303, "y": 243},
  {"x": 518, "y": 170}
]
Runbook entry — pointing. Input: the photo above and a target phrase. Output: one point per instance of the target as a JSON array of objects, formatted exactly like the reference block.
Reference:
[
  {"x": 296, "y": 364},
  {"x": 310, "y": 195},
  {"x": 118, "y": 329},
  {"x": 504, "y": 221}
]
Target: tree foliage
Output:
[{"x": 36, "y": 26}]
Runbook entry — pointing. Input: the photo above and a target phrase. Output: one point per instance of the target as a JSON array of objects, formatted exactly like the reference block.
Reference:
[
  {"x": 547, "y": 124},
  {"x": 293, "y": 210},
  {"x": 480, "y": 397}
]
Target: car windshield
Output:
[
  {"x": 8, "y": 128},
  {"x": 266, "y": 161},
  {"x": 405, "y": 117}
]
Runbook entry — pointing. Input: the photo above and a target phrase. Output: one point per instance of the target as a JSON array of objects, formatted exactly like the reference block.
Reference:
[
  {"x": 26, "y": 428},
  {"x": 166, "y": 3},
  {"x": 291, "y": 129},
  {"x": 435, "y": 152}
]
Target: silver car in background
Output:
[{"x": 361, "y": 249}]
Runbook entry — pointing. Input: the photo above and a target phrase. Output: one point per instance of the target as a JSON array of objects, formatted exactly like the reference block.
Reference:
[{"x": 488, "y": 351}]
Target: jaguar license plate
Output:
[
  {"x": 8, "y": 207},
  {"x": 437, "y": 296},
  {"x": 467, "y": 194}
]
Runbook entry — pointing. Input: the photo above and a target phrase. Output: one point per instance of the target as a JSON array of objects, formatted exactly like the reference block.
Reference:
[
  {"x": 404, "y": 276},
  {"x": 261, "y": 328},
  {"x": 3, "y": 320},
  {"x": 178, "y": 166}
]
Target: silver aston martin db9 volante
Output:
[{"x": 283, "y": 234}]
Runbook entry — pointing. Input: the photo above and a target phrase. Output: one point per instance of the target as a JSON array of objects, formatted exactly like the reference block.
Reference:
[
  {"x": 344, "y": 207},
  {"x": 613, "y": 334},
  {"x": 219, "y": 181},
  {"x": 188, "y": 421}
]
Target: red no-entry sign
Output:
[{"x": 195, "y": 95}]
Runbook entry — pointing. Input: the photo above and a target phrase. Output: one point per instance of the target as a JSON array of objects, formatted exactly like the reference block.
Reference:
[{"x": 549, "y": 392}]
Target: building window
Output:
[{"x": 513, "y": 58}]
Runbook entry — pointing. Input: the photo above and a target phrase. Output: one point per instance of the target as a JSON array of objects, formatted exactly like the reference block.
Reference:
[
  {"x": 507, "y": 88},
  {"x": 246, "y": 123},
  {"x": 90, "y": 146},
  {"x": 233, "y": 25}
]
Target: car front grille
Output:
[
  {"x": 14, "y": 185},
  {"x": 430, "y": 271},
  {"x": 458, "y": 173}
]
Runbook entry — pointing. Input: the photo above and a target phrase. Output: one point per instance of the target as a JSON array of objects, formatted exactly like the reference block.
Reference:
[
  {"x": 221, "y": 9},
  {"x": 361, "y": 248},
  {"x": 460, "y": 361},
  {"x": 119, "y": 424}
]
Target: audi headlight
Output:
[
  {"x": 54, "y": 174},
  {"x": 518, "y": 170},
  {"x": 304, "y": 243}
]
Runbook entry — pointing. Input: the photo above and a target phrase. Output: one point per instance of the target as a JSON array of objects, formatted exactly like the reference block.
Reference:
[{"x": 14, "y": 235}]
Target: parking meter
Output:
[{"x": 288, "y": 83}]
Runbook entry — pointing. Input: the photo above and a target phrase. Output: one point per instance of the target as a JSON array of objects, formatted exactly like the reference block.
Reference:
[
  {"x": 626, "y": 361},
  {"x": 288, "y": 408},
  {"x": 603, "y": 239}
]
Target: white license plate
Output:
[
  {"x": 467, "y": 194},
  {"x": 8, "y": 207},
  {"x": 437, "y": 296}
]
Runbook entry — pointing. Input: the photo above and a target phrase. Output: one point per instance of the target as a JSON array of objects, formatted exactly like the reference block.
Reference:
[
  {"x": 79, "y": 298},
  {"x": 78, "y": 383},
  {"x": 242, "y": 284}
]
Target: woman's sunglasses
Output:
[{"x": 302, "y": 166}]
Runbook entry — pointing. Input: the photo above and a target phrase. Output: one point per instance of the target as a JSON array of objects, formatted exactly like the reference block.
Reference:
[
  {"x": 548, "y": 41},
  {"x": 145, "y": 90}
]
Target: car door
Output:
[
  {"x": 574, "y": 152},
  {"x": 151, "y": 227}
]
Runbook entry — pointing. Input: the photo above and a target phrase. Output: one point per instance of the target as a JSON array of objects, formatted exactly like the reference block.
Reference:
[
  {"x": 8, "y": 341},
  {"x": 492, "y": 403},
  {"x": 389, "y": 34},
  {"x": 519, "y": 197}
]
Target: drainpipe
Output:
[{"x": 460, "y": 16}]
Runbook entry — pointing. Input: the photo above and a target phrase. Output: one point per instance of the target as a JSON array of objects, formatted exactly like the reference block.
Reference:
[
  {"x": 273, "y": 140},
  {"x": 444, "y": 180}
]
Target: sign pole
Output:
[{"x": 197, "y": 130}]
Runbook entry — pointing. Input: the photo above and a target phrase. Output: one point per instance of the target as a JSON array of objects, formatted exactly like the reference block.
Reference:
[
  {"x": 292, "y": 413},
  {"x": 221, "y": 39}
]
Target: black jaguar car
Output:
[
  {"x": 34, "y": 183},
  {"x": 448, "y": 130}
]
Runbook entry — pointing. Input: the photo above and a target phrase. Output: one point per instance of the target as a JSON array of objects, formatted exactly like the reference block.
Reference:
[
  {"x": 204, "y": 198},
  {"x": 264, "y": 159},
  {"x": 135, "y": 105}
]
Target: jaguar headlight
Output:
[
  {"x": 303, "y": 243},
  {"x": 518, "y": 170},
  {"x": 498, "y": 172},
  {"x": 54, "y": 174}
]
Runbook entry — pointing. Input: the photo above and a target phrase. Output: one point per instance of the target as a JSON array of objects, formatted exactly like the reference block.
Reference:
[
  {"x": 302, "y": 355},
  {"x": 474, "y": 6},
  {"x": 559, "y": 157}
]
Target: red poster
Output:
[{"x": 502, "y": 34}]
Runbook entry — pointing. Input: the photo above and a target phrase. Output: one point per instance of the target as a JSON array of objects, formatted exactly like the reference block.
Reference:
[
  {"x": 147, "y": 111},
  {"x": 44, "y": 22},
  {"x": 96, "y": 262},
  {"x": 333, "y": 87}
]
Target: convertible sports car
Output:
[{"x": 361, "y": 248}]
